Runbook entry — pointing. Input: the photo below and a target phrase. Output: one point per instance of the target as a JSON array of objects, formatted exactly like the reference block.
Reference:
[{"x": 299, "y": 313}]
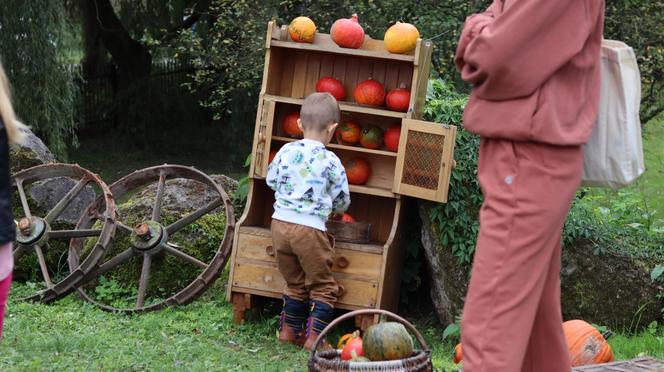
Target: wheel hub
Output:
[
  {"x": 149, "y": 236},
  {"x": 30, "y": 231}
]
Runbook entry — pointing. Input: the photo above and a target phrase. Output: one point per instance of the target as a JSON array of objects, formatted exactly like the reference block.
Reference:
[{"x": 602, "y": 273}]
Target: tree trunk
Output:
[{"x": 101, "y": 25}]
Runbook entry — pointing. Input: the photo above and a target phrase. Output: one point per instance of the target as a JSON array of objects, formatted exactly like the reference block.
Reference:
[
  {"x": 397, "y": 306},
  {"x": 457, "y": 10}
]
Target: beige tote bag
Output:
[{"x": 613, "y": 157}]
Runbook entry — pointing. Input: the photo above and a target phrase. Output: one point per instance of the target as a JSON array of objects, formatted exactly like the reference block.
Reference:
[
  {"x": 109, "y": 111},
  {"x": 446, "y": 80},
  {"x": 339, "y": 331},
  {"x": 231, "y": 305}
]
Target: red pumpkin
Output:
[
  {"x": 347, "y": 218},
  {"x": 289, "y": 125},
  {"x": 348, "y": 134},
  {"x": 347, "y": 32},
  {"x": 586, "y": 345},
  {"x": 391, "y": 137},
  {"x": 332, "y": 86},
  {"x": 398, "y": 99},
  {"x": 273, "y": 153},
  {"x": 370, "y": 92},
  {"x": 353, "y": 347},
  {"x": 358, "y": 171},
  {"x": 372, "y": 137}
]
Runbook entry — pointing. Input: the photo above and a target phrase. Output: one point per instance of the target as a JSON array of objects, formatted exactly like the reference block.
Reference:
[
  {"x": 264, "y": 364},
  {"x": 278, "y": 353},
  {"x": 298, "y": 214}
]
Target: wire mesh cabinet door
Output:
[
  {"x": 262, "y": 141},
  {"x": 424, "y": 160}
]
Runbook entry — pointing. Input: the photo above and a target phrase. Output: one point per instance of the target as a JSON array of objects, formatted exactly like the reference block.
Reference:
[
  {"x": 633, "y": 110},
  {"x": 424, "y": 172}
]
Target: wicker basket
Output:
[{"x": 330, "y": 360}]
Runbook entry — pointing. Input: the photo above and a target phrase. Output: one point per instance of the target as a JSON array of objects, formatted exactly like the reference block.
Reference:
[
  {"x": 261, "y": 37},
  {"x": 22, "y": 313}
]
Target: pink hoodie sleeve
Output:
[
  {"x": 473, "y": 25},
  {"x": 525, "y": 44}
]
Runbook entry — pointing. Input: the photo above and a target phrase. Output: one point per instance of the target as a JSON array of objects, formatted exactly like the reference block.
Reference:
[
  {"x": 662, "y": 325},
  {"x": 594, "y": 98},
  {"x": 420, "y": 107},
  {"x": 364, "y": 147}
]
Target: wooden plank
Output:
[
  {"x": 421, "y": 80},
  {"x": 286, "y": 77},
  {"x": 367, "y": 190},
  {"x": 299, "y": 75},
  {"x": 322, "y": 45},
  {"x": 327, "y": 66},
  {"x": 344, "y": 147},
  {"x": 264, "y": 232},
  {"x": 267, "y": 278},
  {"x": 344, "y": 106},
  {"x": 405, "y": 76},
  {"x": 313, "y": 74},
  {"x": 388, "y": 295},
  {"x": 365, "y": 71},
  {"x": 350, "y": 80},
  {"x": 378, "y": 73}
]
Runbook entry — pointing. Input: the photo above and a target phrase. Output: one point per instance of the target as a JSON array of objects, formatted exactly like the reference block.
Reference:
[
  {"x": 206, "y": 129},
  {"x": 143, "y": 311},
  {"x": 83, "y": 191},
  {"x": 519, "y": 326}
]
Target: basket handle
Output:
[{"x": 351, "y": 314}]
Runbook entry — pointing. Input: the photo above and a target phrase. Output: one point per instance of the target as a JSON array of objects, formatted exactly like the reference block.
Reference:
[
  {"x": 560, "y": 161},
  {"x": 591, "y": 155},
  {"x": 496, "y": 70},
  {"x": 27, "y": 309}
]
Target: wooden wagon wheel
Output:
[
  {"x": 151, "y": 239},
  {"x": 34, "y": 232}
]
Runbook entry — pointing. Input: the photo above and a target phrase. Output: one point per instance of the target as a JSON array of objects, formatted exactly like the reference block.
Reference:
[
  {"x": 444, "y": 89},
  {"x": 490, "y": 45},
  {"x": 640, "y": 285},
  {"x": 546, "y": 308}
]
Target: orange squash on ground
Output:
[
  {"x": 302, "y": 29},
  {"x": 457, "y": 354},
  {"x": 586, "y": 345},
  {"x": 401, "y": 38}
]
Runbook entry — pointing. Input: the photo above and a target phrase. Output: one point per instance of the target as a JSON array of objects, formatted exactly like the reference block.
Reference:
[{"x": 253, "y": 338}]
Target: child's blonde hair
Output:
[
  {"x": 318, "y": 111},
  {"x": 11, "y": 123}
]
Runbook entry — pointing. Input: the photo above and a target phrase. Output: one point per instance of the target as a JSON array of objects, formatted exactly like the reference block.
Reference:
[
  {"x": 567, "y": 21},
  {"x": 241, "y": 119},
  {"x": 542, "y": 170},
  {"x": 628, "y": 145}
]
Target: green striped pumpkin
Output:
[{"x": 387, "y": 341}]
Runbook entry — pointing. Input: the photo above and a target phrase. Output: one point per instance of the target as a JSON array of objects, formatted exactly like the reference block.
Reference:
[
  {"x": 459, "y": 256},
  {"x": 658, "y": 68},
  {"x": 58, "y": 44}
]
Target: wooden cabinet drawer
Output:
[
  {"x": 266, "y": 277},
  {"x": 256, "y": 244}
]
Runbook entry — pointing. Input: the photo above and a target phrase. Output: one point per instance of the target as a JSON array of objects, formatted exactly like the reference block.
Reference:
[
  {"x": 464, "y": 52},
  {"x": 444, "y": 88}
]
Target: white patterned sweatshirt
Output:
[{"x": 309, "y": 183}]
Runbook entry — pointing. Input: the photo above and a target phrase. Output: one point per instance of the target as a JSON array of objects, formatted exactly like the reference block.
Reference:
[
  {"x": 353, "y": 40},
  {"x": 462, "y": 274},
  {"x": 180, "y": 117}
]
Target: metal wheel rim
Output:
[
  {"x": 78, "y": 272},
  {"x": 203, "y": 281}
]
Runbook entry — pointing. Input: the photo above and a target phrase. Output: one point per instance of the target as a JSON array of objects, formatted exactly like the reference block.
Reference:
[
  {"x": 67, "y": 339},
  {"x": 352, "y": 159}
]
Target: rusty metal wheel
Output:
[
  {"x": 39, "y": 226},
  {"x": 142, "y": 246}
]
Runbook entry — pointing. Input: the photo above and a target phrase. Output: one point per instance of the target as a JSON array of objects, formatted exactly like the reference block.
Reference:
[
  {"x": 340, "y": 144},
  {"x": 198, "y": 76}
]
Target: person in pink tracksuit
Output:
[{"x": 534, "y": 66}]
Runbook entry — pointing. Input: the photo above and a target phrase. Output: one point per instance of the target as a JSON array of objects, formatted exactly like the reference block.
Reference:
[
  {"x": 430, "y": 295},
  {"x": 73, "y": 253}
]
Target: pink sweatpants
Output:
[
  {"x": 511, "y": 318},
  {"x": 5, "y": 284}
]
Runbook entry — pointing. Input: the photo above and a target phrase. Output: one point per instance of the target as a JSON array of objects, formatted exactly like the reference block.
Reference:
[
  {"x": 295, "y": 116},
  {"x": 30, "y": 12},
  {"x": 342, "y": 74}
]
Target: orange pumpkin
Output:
[
  {"x": 348, "y": 133},
  {"x": 586, "y": 345},
  {"x": 457, "y": 354},
  {"x": 401, "y": 38},
  {"x": 302, "y": 29},
  {"x": 358, "y": 171},
  {"x": 347, "y": 32},
  {"x": 370, "y": 92},
  {"x": 289, "y": 125},
  {"x": 273, "y": 153}
]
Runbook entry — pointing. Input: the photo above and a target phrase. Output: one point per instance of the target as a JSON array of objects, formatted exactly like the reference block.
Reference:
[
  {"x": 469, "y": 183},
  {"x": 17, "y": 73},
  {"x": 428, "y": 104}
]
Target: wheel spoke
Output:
[
  {"x": 113, "y": 262},
  {"x": 171, "y": 248},
  {"x": 188, "y": 219},
  {"x": 156, "y": 210},
  {"x": 143, "y": 282},
  {"x": 24, "y": 200},
  {"x": 82, "y": 233},
  {"x": 42, "y": 265},
  {"x": 64, "y": 202},
  {"x": 18, "y": 252},
  {"x": 124, "y": 227}
]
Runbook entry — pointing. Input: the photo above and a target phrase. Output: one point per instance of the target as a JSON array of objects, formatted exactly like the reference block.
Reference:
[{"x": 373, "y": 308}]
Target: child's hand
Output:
[{"x": 336, "y": 216}]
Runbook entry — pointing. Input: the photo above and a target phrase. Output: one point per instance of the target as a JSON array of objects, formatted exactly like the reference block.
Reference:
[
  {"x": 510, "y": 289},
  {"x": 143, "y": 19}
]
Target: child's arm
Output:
[
  {"x": 338, "y": 187},
  {"x": 272, "y": 178}
]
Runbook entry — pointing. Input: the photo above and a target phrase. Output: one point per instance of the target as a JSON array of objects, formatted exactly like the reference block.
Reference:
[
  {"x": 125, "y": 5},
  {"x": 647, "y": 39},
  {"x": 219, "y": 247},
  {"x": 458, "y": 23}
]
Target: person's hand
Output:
[{"x": 477, "y": 23}]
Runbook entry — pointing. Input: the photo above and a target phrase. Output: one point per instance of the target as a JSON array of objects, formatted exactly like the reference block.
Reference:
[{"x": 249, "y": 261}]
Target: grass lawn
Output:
[
  {"x": 647, "y": 193},
  {"x": 74, "y": 336}
]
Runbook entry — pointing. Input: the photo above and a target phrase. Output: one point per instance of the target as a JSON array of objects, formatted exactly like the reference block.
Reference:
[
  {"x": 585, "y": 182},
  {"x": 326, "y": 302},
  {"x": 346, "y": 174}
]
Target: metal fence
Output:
[{"x": 99, "y": 102}]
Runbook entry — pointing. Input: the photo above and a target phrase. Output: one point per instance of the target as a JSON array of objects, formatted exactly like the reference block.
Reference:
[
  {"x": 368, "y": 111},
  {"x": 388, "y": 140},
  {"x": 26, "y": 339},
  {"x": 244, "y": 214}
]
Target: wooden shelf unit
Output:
[{"x": 421, "y": 168}]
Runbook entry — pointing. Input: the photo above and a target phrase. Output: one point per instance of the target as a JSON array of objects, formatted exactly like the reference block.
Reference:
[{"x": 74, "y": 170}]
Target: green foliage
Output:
[
  {"x": 457, "y": 220},
  {"x": 639, "y": 24},
  {"x": 44, "y": 91}
]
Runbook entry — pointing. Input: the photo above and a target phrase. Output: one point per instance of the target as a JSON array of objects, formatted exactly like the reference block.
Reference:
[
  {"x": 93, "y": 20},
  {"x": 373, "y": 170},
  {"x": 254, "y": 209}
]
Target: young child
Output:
[{"x": 309, "y": 183}]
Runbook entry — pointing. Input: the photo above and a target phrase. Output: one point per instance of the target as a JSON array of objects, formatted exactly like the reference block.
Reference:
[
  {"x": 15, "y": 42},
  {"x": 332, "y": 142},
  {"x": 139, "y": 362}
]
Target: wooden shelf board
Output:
[
  {"x": 344, "y": 147},
  {"x": 343, "y": 106},
  {"x": 361, "y": 189},
  {"x": 371, "y": 247},
  {"x": 345, "y": 51}
]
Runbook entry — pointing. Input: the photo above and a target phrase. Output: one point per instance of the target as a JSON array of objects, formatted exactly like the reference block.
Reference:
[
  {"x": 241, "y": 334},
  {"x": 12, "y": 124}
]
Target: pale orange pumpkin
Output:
[
  {"x": 302, "y": 29},
  {"x": 586, "y": 345},
  {"x": 401, "y": 38}
]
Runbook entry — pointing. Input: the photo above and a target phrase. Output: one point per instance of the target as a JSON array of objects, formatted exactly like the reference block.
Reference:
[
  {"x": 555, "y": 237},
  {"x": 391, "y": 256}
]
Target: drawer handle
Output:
[
  {"x": 269, "y": 250},
  {"x": 342, "y": 262}
]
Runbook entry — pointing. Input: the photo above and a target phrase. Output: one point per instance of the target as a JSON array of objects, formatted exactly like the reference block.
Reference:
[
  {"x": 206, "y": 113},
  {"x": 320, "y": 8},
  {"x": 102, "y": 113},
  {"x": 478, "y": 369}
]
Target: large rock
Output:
[
  {"x": 608, "y": 289},
  {"x": 32, "y": 152}
]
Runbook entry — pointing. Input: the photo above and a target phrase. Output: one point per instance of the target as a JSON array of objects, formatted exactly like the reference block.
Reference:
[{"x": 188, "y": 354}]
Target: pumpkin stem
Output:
[
  {"x": 354, "y": 17},
  {"x": 607, "y": 334},
  {"x": 402, "y": 86},
  {"x": 356, "y": 334}
]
